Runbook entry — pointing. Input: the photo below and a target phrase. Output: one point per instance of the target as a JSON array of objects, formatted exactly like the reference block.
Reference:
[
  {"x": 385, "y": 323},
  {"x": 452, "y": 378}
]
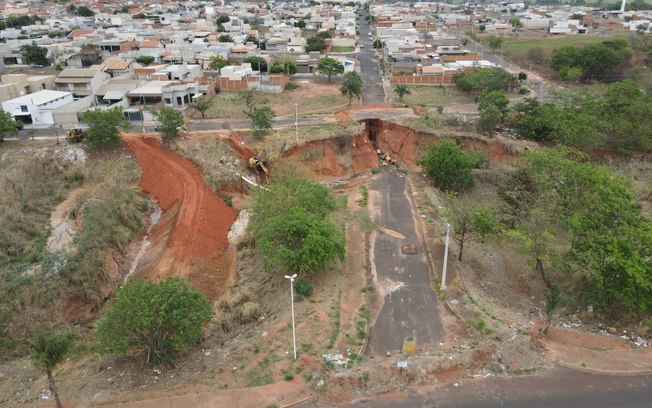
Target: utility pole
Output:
[
  {"x": 296, "y": 121},
  {"x": 443, "y": 274}
]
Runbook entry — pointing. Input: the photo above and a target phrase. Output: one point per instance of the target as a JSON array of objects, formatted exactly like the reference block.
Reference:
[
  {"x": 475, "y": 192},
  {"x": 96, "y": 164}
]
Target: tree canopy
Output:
[
  {"x": 145, "y": 59},
  {"x": 596, "y": 61},
  {"x": 315, "y": 43},
  {"x": 289, "y": 220},
  {"x": 159, "y": 320},
  {"x": 352, "y": 86},
  {"x": 485, "y": 79},
  {"x": 35, "y": 54},
  {"x": 218, "y": 62},
  {"x": 450, "y": 168},
  {"x": 169, "y": 122},
  {"x": 104, "y": 127},
  {"x": 7, "y": 125},
  {"x": 257, "y": 63},
  {"x": 329, "y": 66},
  {"x": 47, "y": 352}
]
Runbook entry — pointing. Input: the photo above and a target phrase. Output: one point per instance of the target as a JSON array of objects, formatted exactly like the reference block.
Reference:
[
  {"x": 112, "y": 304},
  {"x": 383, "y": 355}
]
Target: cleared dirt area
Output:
[{"x": 197, "y": 245}]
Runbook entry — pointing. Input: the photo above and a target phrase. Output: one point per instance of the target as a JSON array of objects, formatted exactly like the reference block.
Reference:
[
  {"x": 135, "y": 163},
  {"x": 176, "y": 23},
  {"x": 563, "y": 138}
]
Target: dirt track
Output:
[{"x": 197, "y": 244}]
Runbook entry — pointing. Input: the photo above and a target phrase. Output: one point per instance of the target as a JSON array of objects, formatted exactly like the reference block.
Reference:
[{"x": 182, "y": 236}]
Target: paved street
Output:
[
  {"x": 410, "y": 306},
  {"x": 372, "y": 90},
  {"x": 557, "y": 387}
]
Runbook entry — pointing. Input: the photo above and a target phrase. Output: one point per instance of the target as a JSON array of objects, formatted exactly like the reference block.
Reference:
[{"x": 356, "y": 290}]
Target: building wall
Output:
[
  {"x": 422, "y": 80},
  {"x": 69, "y": 114}
]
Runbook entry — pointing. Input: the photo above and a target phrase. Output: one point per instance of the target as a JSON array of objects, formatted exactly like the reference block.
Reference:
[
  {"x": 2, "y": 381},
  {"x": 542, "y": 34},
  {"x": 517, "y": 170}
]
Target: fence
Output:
[{"x": 423, "y": 80}]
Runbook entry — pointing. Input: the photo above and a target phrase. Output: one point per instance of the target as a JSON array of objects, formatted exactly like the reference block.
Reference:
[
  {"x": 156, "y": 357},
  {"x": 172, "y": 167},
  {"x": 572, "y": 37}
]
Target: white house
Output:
[{"x": 37, "y": 107}]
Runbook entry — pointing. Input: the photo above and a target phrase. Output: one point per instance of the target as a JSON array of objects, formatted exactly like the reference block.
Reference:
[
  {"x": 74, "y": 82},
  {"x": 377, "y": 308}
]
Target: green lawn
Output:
[
  {"x": 342, "y": 49},
  {"x": 517, "y": 48},
  {"x": 431, "y": 96}
]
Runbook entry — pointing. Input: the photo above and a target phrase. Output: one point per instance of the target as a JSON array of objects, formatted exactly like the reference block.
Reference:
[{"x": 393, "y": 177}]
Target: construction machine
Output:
[
  {"x": 259, "y": 164},
  {"x": 75, "y": 135}
]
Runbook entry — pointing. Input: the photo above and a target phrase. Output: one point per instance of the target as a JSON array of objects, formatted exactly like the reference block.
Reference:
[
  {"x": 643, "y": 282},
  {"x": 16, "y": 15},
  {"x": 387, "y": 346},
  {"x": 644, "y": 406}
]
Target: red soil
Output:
[{"x": 197, "y": 244}]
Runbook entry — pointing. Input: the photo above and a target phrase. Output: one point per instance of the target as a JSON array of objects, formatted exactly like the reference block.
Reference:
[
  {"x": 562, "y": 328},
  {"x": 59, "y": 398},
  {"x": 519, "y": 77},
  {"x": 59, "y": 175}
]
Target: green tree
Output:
[
  {"x": 597, "y": 61},
  {"x": 169, "y": 123},
  {"x": 468, "y": 221},
  {"x": 570, "y": 74},
  {"x": 290, "y": 222},
  {"x": 495, "y": 42},
  {"x": 516, "y": 22},
  {"x": 485, "y": 79},
  {"x": 377, "y": 44},
  {"x": 492, "y": 98},
  {"x": 7, "y": 125},
  {"x": 297, "y": 241},
  {"x": 300, "y": 24},
  {"x": 448, "y": 166},
  {"x": 257, "y": 63},
  {"x": 251, "y": 38},
  {"x": 284, "y": 66},
  {"x": 315, "y": 44},
  {"x": 251, "y": 98},
  {"x": 145, "y": 59},
  {"x": 536, "y": 54},
  {"x": 482, "y": 28},
  {"x": 262, "y": 120},
  {"x": 329, "y": 67},
  {"x": 225, "y": 38},
  {"x": 402, "y": 90},
  {"x": 47, "y": 352},
  {"x": 103, "y": 127},
  {"x": 218, "y": 62},
  {"x": 35, "y": 54},
  {"x": 160, "y": 320},
  {"x": 490, "y": 118},
  {"x": 222, "y": 18},
  {"x": 54, "y": 34},
  {"x": 201, "y": 106},
  {"x": 351, "y": 86},
  {"x": 84, "y": 11}
]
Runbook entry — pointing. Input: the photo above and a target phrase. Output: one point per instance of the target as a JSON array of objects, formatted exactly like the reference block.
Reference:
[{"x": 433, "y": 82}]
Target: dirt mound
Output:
[{"x": 197, "y": 244}]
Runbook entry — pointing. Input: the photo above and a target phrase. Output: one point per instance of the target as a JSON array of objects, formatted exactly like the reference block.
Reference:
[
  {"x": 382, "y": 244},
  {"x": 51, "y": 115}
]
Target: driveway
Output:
[{"x": 403, "y": 276}]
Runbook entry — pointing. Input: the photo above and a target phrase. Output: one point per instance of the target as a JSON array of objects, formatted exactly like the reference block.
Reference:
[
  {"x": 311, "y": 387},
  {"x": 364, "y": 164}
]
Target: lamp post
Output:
[
  {"x": 443, "y": 274},
  {"x": 296, "y": 121},
  {"x": 294, "y": 338}
]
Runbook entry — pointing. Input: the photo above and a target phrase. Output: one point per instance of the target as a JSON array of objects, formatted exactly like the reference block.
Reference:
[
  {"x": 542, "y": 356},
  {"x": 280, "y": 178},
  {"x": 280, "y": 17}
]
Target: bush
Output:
[
  {"x": 160, "y": 320},
  {"x": 217, "y": 89},
  {"x": 303, "y": 287},
  {"x": 523, "y": 91},
  {"x": 249, "y": 312},
  {"x": 449, "y": 167},
  {"x": 292, "y": 86}
]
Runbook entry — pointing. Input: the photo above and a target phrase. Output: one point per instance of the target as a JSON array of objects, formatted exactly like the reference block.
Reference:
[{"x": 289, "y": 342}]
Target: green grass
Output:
[
  {"x": 336, "y": 48},
  {"x": 517, "y": 48},
  {"x": 229, "y": 105},
  {"x": 431, "y": 96}
]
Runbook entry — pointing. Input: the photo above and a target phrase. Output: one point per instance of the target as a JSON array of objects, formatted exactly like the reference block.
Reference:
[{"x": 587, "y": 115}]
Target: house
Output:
[
  {"x": 36, "y": 108},
  {"x": 81, "y": 81},
  {"x": 170, "y": 93},
  {"x": 118, "y": 67},
  {"x": 15, "y": 85},
  {"x": 115, "y": 91}
]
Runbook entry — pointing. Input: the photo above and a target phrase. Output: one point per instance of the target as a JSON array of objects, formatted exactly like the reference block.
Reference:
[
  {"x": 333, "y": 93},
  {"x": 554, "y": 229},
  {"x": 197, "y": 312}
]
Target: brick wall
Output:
[{"x": 423, "y": 80}]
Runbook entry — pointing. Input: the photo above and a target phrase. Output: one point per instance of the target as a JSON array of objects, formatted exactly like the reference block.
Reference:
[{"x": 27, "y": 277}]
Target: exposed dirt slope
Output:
[{"x": 197, "y": 245}]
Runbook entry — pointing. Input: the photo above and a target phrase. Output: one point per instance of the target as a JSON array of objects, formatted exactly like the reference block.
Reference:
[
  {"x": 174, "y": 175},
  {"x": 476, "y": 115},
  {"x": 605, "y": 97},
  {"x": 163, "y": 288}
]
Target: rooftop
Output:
[{"x": 39, "y": 98}]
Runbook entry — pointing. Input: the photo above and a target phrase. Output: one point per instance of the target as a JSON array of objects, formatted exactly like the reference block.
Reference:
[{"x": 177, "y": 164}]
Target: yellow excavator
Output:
[
  {"x": 75, "y": 135},
  {"x": 259, "y": 164}
]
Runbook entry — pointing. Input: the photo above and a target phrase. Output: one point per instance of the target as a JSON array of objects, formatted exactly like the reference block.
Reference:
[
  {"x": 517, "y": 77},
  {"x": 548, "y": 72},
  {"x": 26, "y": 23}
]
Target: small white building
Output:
[{"x": 36, "y": 108}]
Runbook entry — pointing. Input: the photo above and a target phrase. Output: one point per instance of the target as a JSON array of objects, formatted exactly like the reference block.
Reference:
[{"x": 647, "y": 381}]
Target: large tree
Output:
[
  {"x": 201, "y": 106},
  {"x": 469, "y": 221},
  {"x": 46, "y": 353},
  {"x": 218, "y": 62},
  {"x": 485, "y": 80},
  {"x": 257, "y": 63},
  {"x": 104, "y": 127},
  {"x": 159, "y": 320},
  {"x": 450, "y": 168},
  {"x": 35, "y": 54},
  {"x": 329, "y": 67},
  {"x": 262, "y": 120},
  {"x": 170, "y": 122},
  {"x": 7, "y": 125},
  {"x": 352, "y": 86},
  {"x": 290, "y": 223}
]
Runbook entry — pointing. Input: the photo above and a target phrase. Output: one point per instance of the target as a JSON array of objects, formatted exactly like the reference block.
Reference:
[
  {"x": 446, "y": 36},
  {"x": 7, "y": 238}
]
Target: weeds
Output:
[{"x": 362, "y": 202}]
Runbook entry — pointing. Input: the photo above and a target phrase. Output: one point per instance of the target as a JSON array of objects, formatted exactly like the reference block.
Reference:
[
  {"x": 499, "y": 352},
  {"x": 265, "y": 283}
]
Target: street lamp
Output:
[
  {"x": 296, "y": 121},
  {"x": 294, "y": 338},
  {"x": 443, "y": 275}
]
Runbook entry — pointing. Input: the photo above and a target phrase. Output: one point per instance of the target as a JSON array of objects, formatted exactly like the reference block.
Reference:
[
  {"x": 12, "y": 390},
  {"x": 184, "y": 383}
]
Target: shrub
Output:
[
  {"x": 292, "y": 86},
  {"x": 303, "y": 287},
  {"x": 249, "y": 312}
]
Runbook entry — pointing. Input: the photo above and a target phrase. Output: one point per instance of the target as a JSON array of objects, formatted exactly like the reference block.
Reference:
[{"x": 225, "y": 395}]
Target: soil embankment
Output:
[
  {"x": 403, "y": 143},
  {"x": 197, "y": 246}
]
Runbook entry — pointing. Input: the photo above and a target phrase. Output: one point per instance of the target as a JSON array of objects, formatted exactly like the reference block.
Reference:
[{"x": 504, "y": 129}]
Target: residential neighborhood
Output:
[{"x": 325, "y": 203}]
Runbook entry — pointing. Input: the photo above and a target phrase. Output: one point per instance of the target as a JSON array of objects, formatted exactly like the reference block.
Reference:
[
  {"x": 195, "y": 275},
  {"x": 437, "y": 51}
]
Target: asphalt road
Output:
[
  {"x": 410, "y": 307},
  {"x": 555, "y": 388},
  {"x": 372, "y": 90}
]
